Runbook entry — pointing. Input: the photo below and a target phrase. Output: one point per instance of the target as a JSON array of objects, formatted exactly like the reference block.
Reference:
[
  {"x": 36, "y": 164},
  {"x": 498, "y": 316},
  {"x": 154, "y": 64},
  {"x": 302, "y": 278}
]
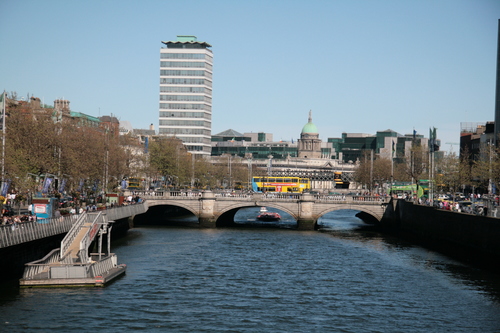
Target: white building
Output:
[{"x": 186, "y": 93}]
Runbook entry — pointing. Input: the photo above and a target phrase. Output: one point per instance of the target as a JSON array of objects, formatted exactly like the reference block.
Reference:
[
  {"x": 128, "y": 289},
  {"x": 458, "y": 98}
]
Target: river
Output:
[{"x": 343, "y": 278}]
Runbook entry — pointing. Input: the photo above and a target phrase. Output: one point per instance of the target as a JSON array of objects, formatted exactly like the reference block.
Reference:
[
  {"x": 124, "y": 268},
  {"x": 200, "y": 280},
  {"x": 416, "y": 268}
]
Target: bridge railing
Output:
[
  {"x": 23, "y": 232},
  {"x": 117, "y": 213},
  {"x": 353, "y": 199},
  {"x": 168, "y": 194},
  {"x": 224, "y": 195}
]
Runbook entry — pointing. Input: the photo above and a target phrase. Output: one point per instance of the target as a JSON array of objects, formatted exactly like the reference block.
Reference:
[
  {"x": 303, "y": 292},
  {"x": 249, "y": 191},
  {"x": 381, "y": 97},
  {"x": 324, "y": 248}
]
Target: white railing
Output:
[
  {"x": 104, "y": 265},
  {"x": 95, "y": 221},
  {"x": 38, "y": 266},
  {"x": 117, "y": 213},
  {"x": 49, "y": 262},
  {"x": 275, "y": 196},
  {"x": 282, "y": 196},
  {"x": 23, "y": 232},
  {"x": 70, "y": 236}
]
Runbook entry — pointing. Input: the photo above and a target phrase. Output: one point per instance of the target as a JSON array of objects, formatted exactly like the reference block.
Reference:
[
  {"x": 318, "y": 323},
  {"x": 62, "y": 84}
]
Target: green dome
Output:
[{"x": 310, "y": 127}]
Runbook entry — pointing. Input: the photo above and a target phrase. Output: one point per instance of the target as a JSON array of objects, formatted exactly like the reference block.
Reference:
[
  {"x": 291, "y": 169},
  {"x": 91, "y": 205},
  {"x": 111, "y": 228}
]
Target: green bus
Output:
[{"x": 420, "y": 189}]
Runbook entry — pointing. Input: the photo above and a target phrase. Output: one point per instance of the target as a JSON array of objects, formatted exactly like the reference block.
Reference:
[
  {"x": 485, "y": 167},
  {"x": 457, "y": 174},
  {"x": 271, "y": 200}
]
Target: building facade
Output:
[
  {"x": 309, "y": 145},
  {"x": 186, "y": 93},
  {"x": 385, "y": 144}
]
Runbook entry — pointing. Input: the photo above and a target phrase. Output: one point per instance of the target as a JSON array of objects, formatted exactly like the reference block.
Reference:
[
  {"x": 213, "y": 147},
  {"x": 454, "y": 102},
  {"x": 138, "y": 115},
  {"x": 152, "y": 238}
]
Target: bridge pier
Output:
[
  {"x": 205, "y": 222},
  {"x": 206, "y": 218},
  {"x": 306, "y": 221},
  {"x": 306, "y": 224}
]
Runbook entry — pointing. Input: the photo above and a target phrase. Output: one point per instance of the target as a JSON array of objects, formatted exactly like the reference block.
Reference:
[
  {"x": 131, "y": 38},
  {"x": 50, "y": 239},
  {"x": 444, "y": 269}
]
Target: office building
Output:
[{"x": 186, "y": 93}]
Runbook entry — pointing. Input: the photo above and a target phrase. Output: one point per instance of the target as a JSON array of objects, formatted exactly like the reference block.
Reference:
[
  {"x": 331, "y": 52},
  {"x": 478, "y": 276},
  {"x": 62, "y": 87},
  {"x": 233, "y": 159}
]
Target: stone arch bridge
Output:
[{"x": 218, "y": 209}]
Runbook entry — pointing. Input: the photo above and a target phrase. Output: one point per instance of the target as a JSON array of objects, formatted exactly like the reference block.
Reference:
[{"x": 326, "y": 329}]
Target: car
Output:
[{"x": 443, "y": 197}]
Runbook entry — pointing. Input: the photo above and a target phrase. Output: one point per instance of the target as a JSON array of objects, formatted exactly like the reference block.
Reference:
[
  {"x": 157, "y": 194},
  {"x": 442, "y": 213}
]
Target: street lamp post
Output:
[
  {"x": 249, "y": 173},
  {"x": 176, "y": 182},
  {"x": 270, "y": 165},
  {"x": 490, "y": 182}
]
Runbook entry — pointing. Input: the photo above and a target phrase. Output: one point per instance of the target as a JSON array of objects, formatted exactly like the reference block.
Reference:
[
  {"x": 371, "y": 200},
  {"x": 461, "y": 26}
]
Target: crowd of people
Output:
[
  {"x": 14, "y": 220},
  {"x": 8, "y": 216},
  {"x": 477, "y": 204}
]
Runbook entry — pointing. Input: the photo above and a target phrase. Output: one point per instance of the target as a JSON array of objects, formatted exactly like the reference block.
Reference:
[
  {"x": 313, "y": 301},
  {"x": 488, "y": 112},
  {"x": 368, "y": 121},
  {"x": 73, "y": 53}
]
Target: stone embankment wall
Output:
[{"x": 471, "y": 237}]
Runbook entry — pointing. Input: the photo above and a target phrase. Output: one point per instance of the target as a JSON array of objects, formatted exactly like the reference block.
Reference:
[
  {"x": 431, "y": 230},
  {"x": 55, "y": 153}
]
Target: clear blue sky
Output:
[{"x": 360, "y": 66}]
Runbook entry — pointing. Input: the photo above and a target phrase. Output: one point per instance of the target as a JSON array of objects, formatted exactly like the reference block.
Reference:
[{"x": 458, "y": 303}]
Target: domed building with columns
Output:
[{"x": 309, "y": 144}]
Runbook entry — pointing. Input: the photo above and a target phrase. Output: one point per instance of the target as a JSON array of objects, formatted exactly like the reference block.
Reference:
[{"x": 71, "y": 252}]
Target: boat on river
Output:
[{"x": 266, "y": 216}]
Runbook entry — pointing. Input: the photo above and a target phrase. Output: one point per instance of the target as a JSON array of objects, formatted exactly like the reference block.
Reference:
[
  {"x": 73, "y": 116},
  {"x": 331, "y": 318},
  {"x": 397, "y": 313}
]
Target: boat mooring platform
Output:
[{"x": 72, "y": 265}]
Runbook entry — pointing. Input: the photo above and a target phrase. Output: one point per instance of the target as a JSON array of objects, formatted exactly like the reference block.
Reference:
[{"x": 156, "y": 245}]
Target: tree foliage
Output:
[
  {"x": 36, "y": 145},
  {"x": 370, "y": 176}
]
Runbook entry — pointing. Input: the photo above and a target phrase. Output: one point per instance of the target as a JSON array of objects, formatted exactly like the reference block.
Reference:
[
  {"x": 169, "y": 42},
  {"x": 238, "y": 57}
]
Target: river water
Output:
[{"x": 339, "y": 279}]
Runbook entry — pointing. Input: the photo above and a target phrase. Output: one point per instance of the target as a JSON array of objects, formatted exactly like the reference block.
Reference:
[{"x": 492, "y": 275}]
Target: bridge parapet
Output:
[{"x": 268, "y": 197}]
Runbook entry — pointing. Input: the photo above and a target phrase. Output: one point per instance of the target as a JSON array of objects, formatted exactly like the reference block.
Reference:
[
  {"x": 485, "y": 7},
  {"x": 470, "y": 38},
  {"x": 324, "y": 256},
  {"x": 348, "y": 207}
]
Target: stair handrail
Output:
[
  {"x": 70, "y": 236},
  {"x": 89, "y": 236}
]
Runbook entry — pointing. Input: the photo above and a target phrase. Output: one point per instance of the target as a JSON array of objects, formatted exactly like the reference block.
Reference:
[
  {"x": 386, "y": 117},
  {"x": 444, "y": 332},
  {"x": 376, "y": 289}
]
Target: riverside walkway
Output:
[{"x": 24, "y": 232}]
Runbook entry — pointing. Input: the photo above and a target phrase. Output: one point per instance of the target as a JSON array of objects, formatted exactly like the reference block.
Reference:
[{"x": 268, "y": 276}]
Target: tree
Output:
[
  {"x": 448, "y": 174},
  {"x": 39, "y": 143},
  {"x": 169, "y": 158},
  {"x": 416, "y": 163},
  {"x": 368, "y": 176},
  {"x": 486, "y": 168}
]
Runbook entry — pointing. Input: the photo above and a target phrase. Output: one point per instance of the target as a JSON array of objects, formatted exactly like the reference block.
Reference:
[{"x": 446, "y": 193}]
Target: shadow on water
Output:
[{"x": 345, "y": 226}]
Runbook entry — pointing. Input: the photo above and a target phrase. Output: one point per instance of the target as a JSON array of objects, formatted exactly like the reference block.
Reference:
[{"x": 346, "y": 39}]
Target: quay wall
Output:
[
  {"x": 464, "y": 236},
  {"x": 13, "y": 258}
]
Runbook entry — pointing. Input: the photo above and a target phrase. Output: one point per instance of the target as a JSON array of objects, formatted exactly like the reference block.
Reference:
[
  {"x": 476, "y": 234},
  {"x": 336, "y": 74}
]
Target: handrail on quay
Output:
[{"x": 18, "y": 233}]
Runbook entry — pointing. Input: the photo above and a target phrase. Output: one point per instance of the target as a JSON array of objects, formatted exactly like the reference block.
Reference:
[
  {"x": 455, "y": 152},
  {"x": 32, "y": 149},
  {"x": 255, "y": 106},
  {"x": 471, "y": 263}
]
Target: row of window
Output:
[
  {"x": 185, "y": 131},
  {"x": 186, "y": 56},
  {"x": 201, "y": 115},
  {"x": 186, "y": 98},
  {"x": 168, "y": 122},
  {"x": 200, "y": 90},
  {"x": 195, "y": 139},
  {"x": 186, "y": 81},
  {"x": 280, "y": 180},
  {"x": 198, "y": 148},
  {"x": 184, "y": 72},
  {"x": 186, "y": 106},
  {"x": 193, "y": 64}
]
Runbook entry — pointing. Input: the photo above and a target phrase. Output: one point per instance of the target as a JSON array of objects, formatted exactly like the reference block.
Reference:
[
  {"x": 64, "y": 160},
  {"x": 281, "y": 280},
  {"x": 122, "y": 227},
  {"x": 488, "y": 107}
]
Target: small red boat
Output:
[{"x": 266, "y": 216}]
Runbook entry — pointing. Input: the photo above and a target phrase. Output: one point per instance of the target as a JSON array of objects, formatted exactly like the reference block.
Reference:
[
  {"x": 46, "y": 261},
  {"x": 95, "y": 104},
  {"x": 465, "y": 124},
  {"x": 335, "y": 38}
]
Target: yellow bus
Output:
[
  {"x": 281, "y": 184},
  {"x": 135, "y": 183},
  {"x": 339, "y": 182}
]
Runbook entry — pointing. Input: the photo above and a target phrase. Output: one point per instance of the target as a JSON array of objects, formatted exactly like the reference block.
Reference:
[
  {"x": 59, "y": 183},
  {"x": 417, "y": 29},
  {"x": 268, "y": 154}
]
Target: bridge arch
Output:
[
  {"x": 370, "y": 210},
  {"x": 225, "y": 216},
  {"x": 240, "y": 205},
  {"x": 182, "y": 204},
  {"x": 159, "y": 211},
  {"x": 214, "y": 209}
]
